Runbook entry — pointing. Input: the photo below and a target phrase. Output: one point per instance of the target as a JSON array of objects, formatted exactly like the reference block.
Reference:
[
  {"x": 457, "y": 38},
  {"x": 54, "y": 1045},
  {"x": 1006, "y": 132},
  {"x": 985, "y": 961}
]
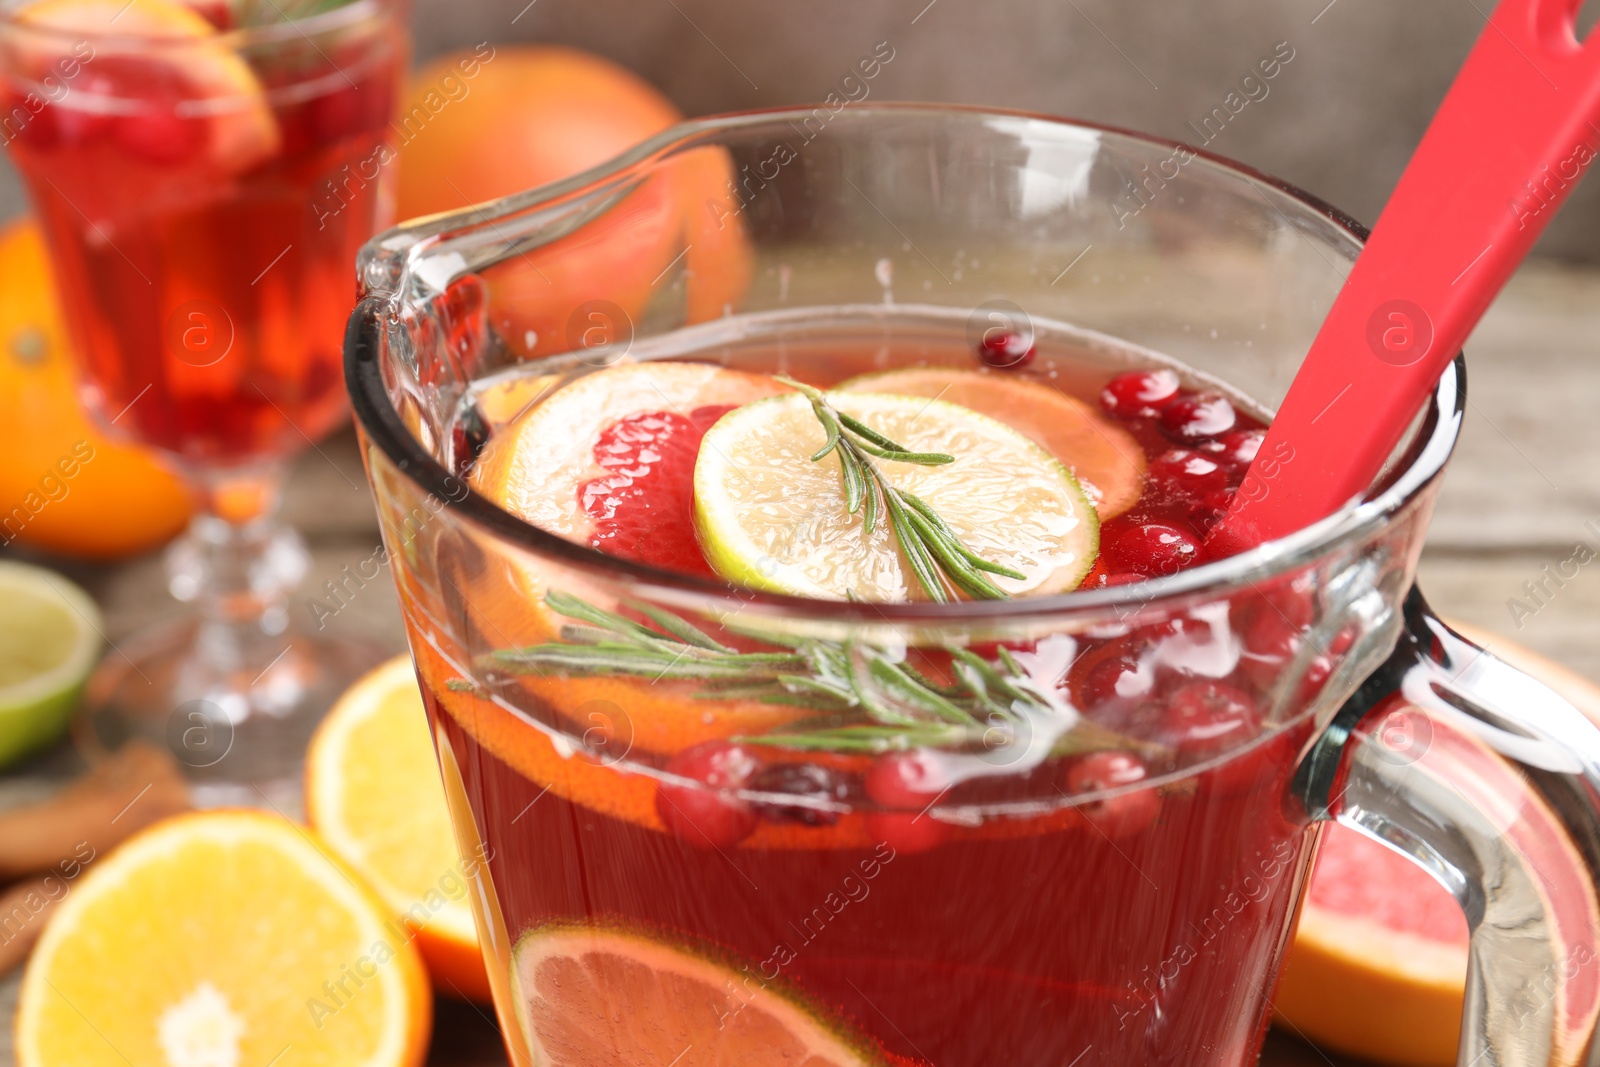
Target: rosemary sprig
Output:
[
  {"x": 868, "y": 699},
  {"x": 930, "y": 547}
]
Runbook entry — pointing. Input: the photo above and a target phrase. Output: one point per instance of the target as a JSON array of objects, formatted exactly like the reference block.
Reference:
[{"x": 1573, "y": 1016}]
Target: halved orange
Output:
[
  {"x": 222, "y": 938},
  {"x": 1101, "y": 455},
  {"x": 374, "y": 796},
  {"x": 78, "y": 492},
  {"x": 589, "y": 996}
]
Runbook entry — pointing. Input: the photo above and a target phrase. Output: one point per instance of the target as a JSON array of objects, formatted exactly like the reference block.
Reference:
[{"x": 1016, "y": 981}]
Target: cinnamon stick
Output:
[{"x": 127, "y": 792}]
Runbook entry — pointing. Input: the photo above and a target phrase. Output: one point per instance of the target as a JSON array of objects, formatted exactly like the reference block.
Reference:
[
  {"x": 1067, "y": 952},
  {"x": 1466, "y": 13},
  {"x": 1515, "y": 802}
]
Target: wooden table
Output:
[{"x": 1521, "y": 488}]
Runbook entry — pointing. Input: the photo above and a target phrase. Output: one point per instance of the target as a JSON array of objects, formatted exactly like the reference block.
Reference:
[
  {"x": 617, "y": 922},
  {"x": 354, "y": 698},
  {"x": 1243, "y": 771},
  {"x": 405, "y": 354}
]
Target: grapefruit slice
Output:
[
  {"x": 1102, "y": 456},
  {"x": 771, "y": 518},
  {"x": 545, "y": 461},
  {"x": 241, "y": 128},
  {"x": 222, "y": 938},
  {"x": 1379, "y": 960},
  {"x": 502, "y": 402},
  {"x": 608, "y": 461},
  {"x": 1378, "y": 964},
  {"x": 373, "y": 794},
  {"x": 587, "y": 997}
]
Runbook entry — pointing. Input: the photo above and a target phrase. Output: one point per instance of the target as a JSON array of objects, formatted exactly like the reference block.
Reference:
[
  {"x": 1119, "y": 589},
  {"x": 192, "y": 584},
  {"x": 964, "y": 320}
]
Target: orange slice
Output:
[
  {"x": 243, "y": 130},
  {"x": 617, "y": 790},
  {"x": 222, "y": 938},
  {"x": 373, "y": 794},
  {"x": 1106, "y": 461},
  {"x": 588, "y": 996}
]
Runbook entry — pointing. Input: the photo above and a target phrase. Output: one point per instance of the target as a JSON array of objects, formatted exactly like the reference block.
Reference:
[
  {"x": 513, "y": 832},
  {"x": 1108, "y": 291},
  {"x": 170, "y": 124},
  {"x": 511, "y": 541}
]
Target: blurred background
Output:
[{"x": 1340, "y": 121}]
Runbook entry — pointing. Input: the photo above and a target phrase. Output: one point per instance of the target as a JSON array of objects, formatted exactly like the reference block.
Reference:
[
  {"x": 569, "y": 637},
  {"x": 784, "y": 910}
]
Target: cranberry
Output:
[
  {"x": 1139, "y": 393},
  {"x": 1121, "y": 814},
  {"x": 1187, "y": 473},
  {"x": 804, "y": 781},
  {"x": 909, "y": 781},
  {"x": 1240, "y": 446},
  {"x": 711, "y": 813},
  {"x": 906, "y": 831},
  {"x": 1205, "y": 718},
  {"x": 1198, "y": 416},
  {"x": 1320, "y": 669},
  {"x": 135, "y": 99},
  {"x": 1006, "y": 349},
  {"x": 1150, "y": 549},
  {"x": 1270, "y": 634},
  {"x": 1107, "y": 673},
  {"x": 1296, "y": 600},
  {"x": 1269, "y": 641}
]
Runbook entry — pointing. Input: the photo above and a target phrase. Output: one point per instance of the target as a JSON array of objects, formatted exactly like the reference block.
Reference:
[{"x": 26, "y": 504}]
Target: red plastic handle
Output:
[{"x": 1514, "y": 134}]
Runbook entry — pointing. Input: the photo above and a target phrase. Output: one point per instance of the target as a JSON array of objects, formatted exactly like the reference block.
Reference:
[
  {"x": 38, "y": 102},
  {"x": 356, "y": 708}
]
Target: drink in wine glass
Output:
[{"x": 205, "y": 176}]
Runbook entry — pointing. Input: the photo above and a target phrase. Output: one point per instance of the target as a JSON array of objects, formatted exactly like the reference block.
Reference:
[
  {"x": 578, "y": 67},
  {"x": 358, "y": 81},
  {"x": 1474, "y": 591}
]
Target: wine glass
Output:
[{"x": 204, "y": 175}]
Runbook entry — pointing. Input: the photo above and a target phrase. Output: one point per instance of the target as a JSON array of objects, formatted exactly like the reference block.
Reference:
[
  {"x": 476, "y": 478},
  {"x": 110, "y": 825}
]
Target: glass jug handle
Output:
[{"x": 1490, "y": 781}]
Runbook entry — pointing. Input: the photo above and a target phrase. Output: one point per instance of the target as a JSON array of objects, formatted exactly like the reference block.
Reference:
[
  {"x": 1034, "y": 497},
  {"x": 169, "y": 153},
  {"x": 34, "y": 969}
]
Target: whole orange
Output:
[
  {"x": 484, "y": 123},
  {"x": 478, "y": 125},
  {"x": 65, "y": 487}
]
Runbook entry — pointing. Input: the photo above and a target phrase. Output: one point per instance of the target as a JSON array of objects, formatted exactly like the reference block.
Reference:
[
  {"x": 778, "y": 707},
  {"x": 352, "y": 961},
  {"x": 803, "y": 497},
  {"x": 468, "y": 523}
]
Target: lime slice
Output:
[
  {"x": 49, "y": 639},
  {"x": 1104, "y": 457},
  {"x": 769, "y": 517},
  {"x": 591, "y": 996}
]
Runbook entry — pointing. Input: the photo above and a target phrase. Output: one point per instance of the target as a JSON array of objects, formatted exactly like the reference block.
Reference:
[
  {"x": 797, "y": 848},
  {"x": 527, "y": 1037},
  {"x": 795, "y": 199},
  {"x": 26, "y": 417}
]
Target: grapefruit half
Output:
[{"x": 1378, "y": 964}]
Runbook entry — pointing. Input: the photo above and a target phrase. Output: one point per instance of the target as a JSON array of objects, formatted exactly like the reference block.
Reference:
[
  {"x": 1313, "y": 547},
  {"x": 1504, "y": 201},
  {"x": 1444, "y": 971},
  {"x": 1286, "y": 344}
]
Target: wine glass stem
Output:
[{"x": 237, "y": 566}]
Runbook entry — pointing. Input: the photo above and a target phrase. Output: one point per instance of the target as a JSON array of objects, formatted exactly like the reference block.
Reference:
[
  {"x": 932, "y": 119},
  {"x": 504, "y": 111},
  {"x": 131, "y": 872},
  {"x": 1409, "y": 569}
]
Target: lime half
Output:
[
  {"x": 49, "y": 640},
  {"x": 771, "y": 518}
]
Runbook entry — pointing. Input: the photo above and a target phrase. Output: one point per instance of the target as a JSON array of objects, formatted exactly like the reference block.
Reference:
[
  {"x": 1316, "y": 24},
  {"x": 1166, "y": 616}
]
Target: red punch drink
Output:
[
  {"x": 799, "y": 524},
  {"x": 702, "y": 813},
  {"x": 203, "y": 205},
  {"x": 204, "y": 174}
]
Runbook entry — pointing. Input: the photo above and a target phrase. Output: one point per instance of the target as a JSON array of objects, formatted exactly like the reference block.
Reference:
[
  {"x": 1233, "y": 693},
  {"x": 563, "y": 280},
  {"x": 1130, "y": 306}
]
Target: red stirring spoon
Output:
[{"x": 1514, "y": 134}]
